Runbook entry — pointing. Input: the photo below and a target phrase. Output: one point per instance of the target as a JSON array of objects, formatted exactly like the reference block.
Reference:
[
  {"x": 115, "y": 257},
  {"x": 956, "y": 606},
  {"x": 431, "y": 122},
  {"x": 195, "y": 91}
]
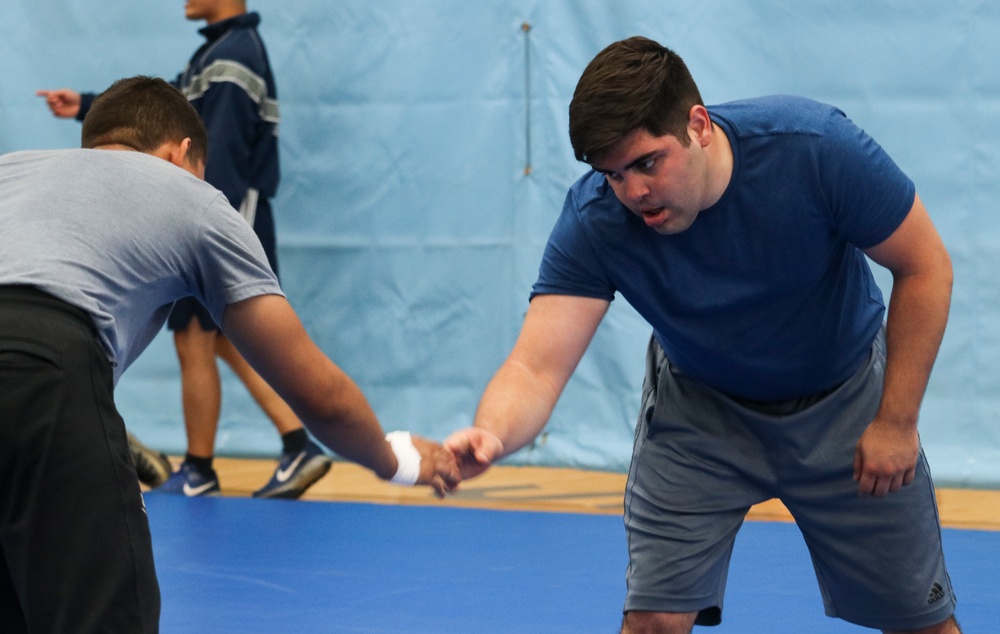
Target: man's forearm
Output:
[
  {"x": 515, "y": 406},
  {"x": 918, "y": 313}
]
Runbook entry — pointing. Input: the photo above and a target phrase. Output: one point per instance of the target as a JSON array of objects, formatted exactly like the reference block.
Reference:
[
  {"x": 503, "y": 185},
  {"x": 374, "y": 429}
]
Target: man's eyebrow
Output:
[{"x": 641, "y": 159}]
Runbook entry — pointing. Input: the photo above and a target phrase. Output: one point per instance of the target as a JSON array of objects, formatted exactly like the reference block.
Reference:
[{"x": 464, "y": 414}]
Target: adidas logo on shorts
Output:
[{"x": 936, "y": 593}]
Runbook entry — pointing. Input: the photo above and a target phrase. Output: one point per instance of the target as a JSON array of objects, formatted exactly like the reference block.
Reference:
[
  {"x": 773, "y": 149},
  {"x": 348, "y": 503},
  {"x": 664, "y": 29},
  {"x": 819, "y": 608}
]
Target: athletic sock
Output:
[
  {"x": 204, "y": 465},
  {"x": 294, "y": 441}
]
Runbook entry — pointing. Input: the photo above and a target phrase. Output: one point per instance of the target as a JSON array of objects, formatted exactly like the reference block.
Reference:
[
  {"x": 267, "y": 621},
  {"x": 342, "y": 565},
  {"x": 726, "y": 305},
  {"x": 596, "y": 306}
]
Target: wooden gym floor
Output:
[{"x": 545, "y": 489}]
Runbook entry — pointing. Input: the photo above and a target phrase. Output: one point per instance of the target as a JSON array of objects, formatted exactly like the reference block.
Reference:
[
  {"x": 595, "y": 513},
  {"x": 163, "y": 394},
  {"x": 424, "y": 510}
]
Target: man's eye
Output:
[{"x": 646, "y": 165}]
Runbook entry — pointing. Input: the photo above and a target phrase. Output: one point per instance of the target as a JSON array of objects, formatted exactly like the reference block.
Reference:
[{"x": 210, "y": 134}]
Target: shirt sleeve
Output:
[
  {"x": 86, "y": 100},
  {"x": 570, "y": 264},
  {"x": 232, "y": 265},
  {"x": 869, "y": 194}
]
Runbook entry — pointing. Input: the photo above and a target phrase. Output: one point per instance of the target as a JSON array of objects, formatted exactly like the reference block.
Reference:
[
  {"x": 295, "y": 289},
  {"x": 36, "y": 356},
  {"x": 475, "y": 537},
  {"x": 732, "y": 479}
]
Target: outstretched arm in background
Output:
[
  {"x": 268, "y": 333},
  {"x": 519, "y": 399},
  {"x": 64, "y": 103}
]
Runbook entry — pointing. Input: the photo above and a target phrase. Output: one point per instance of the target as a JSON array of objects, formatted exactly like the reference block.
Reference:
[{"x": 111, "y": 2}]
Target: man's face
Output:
[
  {"x": 201, "y": 10},
  {"x": 658, "y": 178}
]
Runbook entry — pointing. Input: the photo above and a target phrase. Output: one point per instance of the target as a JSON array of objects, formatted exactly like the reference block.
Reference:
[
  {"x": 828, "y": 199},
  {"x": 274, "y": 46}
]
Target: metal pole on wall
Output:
[{"x": 526, "y": 29}]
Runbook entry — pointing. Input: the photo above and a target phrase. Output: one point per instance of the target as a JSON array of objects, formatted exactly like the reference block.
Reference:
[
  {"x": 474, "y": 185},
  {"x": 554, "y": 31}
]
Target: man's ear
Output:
[
  {"x": 700, "y": 124},
  {"x": 179, "y": 153},
  {"x": 173, "y": 151}
]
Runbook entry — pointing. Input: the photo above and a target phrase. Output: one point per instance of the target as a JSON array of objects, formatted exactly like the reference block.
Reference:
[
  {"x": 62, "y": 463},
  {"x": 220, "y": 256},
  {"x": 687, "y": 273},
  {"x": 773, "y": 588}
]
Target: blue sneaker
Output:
[
  {"x": 296, "y": 472},
  {"x": 187, "y": 480}
]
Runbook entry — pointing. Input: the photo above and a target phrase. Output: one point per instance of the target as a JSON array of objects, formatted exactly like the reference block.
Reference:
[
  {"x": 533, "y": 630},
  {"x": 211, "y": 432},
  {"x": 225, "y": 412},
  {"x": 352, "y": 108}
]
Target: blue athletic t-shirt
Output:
[{"x": 767, "y": 296}]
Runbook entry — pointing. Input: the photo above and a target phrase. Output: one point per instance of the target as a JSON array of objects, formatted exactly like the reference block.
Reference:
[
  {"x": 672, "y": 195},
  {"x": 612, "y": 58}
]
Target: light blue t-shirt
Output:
[
  {"x": 122, "y": 235},
  {"x": 767, "y": 296}
]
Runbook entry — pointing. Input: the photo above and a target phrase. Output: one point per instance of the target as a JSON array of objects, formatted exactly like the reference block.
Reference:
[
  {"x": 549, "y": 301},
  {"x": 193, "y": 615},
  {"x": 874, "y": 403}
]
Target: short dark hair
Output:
[
  {"x": 144, "y": 113},
  {"x": 633, "y": 84}
]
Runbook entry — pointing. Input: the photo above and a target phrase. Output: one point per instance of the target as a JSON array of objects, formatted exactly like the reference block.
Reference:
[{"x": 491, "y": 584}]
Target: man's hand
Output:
[
  {"x": 475, "y": 449},
  {"x": 885, "y": 458},
  {"x": 437, "y": 466},
  {"x": 64, "y": 103}
]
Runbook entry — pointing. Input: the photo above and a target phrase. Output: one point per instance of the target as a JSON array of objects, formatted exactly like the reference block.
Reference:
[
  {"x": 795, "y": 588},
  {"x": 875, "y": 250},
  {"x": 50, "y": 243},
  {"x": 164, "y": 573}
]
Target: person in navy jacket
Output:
[{"x": 229, "y": 82}]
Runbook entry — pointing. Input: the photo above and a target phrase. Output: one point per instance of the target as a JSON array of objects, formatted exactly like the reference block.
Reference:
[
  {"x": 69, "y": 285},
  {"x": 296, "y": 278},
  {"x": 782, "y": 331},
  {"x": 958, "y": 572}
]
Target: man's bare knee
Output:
[
  {"x": 947, "y": 627},
  {"x": 194, "y": 344},
  {"x": 636, "y": 622}
]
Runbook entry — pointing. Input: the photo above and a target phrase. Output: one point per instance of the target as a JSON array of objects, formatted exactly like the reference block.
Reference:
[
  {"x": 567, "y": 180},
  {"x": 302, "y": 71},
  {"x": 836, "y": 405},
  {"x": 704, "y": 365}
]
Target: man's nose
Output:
[{"x": 635, "y": 188}]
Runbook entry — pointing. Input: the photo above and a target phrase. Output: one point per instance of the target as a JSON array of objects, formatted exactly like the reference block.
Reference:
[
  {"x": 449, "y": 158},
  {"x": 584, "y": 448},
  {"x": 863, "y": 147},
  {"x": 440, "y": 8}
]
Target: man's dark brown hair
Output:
[
  {"x": 144, "y": 113},
  {"x": 634, "y": 84}
]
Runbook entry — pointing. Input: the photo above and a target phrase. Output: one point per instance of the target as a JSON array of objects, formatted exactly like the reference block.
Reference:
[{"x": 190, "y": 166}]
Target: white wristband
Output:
[{"x": 407, "y": 457}]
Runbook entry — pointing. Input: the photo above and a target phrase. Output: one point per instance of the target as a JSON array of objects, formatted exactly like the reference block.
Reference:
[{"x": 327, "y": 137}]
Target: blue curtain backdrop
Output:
[{"x": 425, "y": 159}]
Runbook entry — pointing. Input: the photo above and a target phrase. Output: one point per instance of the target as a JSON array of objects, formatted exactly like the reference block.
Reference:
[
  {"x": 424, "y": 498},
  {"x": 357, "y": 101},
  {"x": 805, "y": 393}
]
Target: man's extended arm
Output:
[
  {"x": 268, "y": 333},
  {"x": 519, "y": 399}
]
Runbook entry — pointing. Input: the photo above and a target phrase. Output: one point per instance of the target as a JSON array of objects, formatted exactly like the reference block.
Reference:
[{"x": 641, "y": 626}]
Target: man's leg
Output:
[
  {"x": 879, "y": 560},
  {"x": 672, "y": 623},
  {"x": 658, "y": 622},
  {"x": 692, "y": 479},
  {"x": 948, "y": 627},
  {"x": 71, "y": 503},
  {"x": 11, "y": 614},
  {"x": 201, "y": 397},
  {"x": 201, "y": 387},
  {"x": 274, "y": 407}
]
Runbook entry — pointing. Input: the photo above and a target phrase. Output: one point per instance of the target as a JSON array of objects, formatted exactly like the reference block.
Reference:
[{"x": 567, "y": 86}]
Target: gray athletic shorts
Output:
[{"x": 702, "y": 459}]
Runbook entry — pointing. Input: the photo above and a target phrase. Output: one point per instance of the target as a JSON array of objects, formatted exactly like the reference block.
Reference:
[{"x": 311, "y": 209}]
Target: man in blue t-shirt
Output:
[{"x": 740, "y": 233}]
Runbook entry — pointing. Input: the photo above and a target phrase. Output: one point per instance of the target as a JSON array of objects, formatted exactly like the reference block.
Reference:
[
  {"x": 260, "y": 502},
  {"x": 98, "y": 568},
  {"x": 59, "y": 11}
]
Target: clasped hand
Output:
[
  {"x": 438, "y": 467},
  {"x": 474, "y": 449},
  {"x": 465, "y": 454}
]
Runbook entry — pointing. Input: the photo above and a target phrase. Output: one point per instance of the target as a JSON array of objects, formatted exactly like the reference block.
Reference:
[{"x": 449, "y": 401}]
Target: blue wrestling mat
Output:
[{"x": 245, "y": 565}]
